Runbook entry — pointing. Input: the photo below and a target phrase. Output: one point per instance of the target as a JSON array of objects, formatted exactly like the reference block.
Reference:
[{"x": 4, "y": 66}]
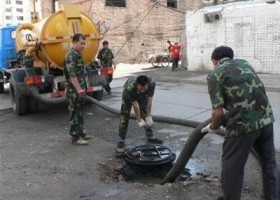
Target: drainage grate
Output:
[{"x": 149, "y": 155}]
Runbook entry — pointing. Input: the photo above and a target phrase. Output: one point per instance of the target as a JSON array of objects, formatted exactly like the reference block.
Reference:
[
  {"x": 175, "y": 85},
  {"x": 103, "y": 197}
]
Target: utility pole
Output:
[{"x": 35, "y": 15}]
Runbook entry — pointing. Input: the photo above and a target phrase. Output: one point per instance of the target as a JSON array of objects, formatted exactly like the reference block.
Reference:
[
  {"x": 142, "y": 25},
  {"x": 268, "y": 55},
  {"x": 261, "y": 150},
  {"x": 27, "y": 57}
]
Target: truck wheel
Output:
[
  {"x": 19, "y": 104},
  {"x": 32, "y": 105},
  {"x": 1, "y": 84},
  {"x": 1, "y": 87}
]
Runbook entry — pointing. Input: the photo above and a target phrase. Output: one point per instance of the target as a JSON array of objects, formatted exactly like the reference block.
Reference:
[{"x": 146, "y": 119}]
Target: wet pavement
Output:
[{"x": 183, "y": 94}]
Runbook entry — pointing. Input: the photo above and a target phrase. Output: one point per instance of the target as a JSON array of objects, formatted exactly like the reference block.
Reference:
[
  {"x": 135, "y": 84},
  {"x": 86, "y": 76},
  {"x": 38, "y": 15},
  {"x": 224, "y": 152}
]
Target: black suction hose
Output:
[
  {"x": 186, "y": 153},
  {"x": 188, "y": 149},
  {"x": 44, "y": 99}
]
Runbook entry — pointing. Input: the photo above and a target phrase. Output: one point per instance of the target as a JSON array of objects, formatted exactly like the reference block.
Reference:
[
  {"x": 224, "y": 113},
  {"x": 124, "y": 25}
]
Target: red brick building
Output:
[{"x": 128, "y": 24}]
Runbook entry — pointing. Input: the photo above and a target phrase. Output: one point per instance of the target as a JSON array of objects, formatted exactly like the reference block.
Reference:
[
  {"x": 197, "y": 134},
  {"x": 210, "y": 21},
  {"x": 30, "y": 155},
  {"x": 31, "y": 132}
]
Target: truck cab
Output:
[{"x": 7, "y": 51}]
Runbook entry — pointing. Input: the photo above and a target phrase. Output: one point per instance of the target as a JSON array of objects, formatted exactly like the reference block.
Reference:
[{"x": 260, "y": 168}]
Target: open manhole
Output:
[
  {"x": 147, "y": 163},
  {"x": 150, "y": 155}
]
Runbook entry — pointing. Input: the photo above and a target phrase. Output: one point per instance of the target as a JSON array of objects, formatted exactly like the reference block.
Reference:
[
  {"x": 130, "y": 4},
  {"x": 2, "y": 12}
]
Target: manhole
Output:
[{"x": 149, "y": 155}]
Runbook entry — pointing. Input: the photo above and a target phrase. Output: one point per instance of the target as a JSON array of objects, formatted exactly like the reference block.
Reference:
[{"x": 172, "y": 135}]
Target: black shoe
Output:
[
  {"x": 220, "y": 198},
  {"x": 120, "y": 145},
  {"x": 107, "y": 89},
  {"x": 154, "y": 141}
]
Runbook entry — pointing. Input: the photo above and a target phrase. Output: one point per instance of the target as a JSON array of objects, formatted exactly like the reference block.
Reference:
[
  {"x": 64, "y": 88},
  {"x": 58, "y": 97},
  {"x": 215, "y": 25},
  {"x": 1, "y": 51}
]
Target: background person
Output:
[
  {"x": 106, "y": 57},
  {"x": 175, "y": 52},
  {"x": 169, "y": 48}
]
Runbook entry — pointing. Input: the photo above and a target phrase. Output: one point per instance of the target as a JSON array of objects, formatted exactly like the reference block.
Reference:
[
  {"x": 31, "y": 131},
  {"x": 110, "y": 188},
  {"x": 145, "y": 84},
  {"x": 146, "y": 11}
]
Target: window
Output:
[
  {"x": 8, "y": 9},
  {"x": 19, "y": 10},
  {"x": 172, "y": 3},
  {"x": 13, "y": 34},
  {"x": 19, "y": 2},
  {"x": 8, "y": 17},
  {"x": 20, "y": 18},
  {"x": 8, "y": 1},
  {"x": 115, "y": 3}
]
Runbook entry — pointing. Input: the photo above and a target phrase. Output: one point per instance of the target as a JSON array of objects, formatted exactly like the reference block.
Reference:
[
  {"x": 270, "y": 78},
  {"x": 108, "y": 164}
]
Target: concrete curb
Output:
[{"x": 178, "y": 80}]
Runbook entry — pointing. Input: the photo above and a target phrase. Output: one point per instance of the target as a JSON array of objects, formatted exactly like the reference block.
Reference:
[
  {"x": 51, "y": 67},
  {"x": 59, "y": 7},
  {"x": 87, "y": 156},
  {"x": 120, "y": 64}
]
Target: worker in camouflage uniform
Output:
[
  {"x": 75, "y": 77},
  {"x": 234, "y": 86},
  {"x": 106, "y": 57},
  {"x": 137, "y": 93}
]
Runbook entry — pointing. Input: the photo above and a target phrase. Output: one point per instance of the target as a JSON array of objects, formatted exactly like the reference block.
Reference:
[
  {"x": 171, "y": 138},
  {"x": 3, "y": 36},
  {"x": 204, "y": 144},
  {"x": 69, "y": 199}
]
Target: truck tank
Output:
[
  {"x": 51, "y": 37},
  {"x": 36, "y": 75}
]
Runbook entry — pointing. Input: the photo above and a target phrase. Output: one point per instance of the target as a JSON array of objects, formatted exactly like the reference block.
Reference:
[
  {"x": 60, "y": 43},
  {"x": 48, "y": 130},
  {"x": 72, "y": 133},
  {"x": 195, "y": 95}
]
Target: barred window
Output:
[
  {"x": 116, "y": 3},
  {"x": 19, "y": 10},
  {"x": 172, "y": 3},
  {"x": 20, "y": 18},
  {"x": 19, "y": 2}
]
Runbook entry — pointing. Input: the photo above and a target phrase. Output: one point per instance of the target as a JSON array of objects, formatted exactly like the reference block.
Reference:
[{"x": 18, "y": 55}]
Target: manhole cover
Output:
[{"x": 149, "y": 155}]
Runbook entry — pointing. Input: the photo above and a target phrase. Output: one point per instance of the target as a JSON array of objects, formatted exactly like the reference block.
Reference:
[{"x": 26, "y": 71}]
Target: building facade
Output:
[
  {"x": 252, "y": 29},
  {"x": 15, "y": 12},
  {"x": 134, "y": 26}
]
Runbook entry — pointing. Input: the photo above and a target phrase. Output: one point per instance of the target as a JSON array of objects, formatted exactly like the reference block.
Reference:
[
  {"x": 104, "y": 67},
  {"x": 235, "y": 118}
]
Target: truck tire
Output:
[
  {"x": 32, "y": 105},
  {"x": 1, "y": 84},
  {"x": 19, "y": 103},
  {"x": 2, "y": 88}
]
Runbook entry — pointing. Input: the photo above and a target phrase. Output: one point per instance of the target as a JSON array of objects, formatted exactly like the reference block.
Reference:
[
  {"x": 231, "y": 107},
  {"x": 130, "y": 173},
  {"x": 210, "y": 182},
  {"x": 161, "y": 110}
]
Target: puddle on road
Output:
[
  {"x": 145, "y": 174},
  {"x": 200, "y": 162}
]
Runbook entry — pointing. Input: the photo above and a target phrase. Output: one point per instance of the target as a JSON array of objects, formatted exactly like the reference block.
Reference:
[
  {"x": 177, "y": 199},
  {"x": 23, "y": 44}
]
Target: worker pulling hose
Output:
[{"x": 193, "y": 140}]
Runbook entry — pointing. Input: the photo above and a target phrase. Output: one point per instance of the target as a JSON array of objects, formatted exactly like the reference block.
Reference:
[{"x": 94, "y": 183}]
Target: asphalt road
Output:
[{"x": 39, "y": 162}]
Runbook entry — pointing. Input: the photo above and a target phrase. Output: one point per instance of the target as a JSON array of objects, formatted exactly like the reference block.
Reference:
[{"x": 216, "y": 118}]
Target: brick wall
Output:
[
  {"x": 252, "y": 30},
  {"x": 153, "y": 26}
]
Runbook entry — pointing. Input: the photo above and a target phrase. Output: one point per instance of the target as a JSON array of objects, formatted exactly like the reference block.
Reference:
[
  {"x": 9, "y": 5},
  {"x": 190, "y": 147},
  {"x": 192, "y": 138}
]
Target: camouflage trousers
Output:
[
  {"x": 76, "y": 110},
  {"x": 124, "y": 118}
]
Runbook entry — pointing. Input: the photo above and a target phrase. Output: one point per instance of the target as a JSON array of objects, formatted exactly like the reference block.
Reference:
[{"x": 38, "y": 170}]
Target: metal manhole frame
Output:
[{"x": 129, "y": 158}]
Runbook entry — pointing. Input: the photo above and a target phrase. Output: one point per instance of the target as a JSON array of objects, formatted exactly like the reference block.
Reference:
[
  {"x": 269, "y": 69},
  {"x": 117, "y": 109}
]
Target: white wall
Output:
[
  {"x": 26, "y": 7},
  {"x": 251, "y": 29}
]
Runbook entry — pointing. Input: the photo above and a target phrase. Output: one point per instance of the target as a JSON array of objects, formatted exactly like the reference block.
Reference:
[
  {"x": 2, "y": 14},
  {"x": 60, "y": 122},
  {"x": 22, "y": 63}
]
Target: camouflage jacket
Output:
[
  {"x": 106, "y": 57},
  {"x": 74, "y": 66},
  {"x": 235, "y": 86},
  {"x": 130, "y": 93}
]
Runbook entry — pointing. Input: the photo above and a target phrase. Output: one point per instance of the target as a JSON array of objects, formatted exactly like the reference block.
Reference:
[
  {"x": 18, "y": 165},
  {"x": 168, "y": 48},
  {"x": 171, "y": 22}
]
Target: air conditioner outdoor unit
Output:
[{"x": 212, "y": 16}]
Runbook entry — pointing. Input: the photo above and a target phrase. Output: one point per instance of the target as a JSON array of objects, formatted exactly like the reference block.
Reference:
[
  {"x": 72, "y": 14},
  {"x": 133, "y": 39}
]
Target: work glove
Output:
[
  {"x": 142, "y": 123},
  {"x": 149, "y": 121},
  {"x": 207, "y": 129},
  {"x": 81, "y": 95}
]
